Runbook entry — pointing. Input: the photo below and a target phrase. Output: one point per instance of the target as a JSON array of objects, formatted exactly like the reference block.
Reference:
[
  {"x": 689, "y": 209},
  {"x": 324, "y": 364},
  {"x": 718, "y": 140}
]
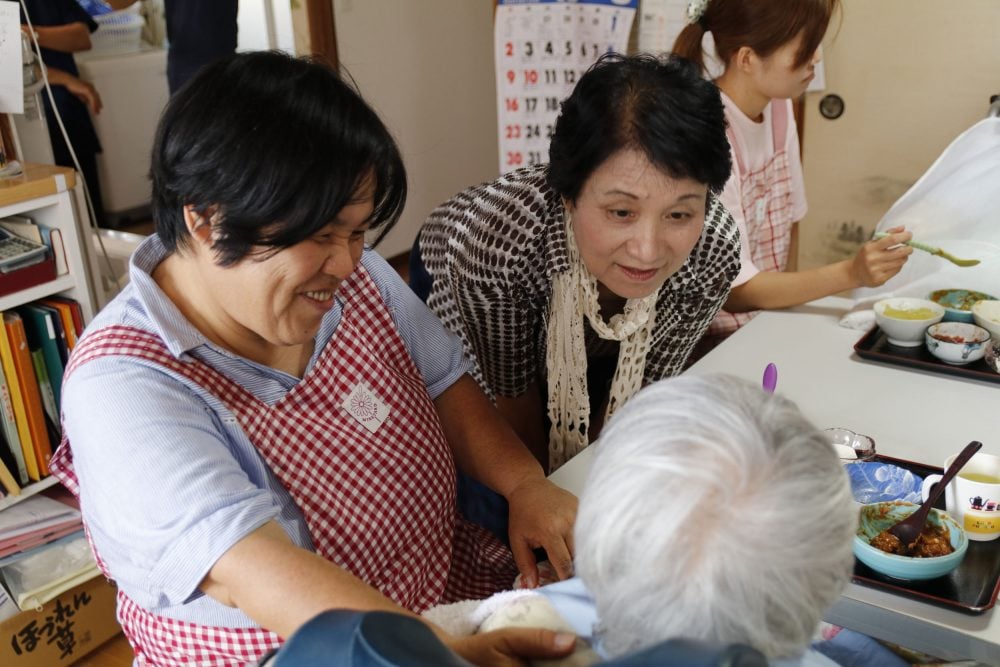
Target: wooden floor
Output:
[{"x": 115, "y": 652}]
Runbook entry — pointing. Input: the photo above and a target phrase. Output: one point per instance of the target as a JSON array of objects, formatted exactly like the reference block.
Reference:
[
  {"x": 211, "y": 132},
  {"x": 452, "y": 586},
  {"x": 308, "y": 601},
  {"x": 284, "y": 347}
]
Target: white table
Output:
[{"x": 911, "y": 414}]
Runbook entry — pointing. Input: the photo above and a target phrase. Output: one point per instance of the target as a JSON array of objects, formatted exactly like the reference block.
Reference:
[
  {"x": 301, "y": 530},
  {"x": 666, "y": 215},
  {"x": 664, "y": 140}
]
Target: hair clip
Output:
[{"x": 695, "y": 10}]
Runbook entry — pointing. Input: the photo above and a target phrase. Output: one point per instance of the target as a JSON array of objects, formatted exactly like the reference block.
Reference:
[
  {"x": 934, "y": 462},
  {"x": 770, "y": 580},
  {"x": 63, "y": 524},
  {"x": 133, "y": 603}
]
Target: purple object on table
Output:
[{"x": 770, "y": 378}]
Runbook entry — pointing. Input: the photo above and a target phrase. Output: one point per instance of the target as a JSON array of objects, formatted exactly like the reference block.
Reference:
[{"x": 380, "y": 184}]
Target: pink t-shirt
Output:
[{"x": 754, "y": 145}]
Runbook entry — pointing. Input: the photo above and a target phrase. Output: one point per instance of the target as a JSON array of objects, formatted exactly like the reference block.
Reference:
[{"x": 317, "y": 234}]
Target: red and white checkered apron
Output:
[
  {"x": 767, "y": 209},
  {"x": 395, "y": 529}
]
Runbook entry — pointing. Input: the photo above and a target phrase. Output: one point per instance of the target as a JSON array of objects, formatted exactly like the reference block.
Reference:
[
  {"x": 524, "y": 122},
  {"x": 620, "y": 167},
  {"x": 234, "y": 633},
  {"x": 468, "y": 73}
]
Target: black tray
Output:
[
  {"x": 875, "y": 346},
  {"x": 970, "y": 588}
]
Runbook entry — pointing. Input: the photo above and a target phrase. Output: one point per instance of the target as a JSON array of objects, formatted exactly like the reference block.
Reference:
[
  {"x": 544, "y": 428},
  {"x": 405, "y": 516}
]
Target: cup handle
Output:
[{"x": 925, "y": 487}]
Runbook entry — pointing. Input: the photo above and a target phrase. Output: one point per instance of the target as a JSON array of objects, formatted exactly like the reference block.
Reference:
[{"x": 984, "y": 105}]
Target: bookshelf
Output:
[{"x": 49, "y": 194}]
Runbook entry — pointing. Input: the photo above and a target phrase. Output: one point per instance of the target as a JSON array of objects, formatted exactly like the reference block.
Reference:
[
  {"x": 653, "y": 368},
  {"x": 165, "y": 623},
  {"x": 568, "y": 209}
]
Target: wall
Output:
[
  {"x": 264, "y": 24},
  {"x": 913, "y": 74},
  {"x": 427, "y": 67}
]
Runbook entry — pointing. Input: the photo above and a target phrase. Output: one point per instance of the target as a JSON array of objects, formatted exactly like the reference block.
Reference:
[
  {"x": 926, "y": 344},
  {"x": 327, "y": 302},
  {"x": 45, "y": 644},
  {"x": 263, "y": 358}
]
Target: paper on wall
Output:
[{"x": 11, "y": 72}]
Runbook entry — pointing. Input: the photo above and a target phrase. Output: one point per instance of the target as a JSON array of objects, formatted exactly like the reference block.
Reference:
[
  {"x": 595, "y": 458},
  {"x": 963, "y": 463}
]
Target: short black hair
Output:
[
  {"x": 274, "y": 146},
  {"x": 659, "y": 106}
]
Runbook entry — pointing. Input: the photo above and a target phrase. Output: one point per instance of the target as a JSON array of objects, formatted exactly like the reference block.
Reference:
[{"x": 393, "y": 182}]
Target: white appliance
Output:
[{"x": 133, "y": 88}]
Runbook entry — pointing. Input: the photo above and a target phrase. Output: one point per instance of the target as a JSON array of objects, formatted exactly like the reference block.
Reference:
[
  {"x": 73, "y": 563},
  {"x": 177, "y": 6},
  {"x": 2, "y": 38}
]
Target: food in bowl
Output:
[
  {"x": 904, "y": 314},
  {"x": 900, "y": 319},
  {"x": 958, "y": 303},
  {"x": 875, "y": 518},
  {"x": 986, "y": 314},
  {"x": 933, "y": 541},
  {"x": 957, "y": 343}
]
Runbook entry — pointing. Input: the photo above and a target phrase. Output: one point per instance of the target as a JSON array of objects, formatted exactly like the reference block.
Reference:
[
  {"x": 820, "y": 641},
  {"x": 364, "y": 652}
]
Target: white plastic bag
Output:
[{"x": 955, "y": 206}]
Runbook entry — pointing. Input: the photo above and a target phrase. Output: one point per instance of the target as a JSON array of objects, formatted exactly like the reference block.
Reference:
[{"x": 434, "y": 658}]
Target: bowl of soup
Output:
[
  {"x": 940, "y": 549},
  {"x": 958, "y": 303},
  {"x": 905, "y": 319}
]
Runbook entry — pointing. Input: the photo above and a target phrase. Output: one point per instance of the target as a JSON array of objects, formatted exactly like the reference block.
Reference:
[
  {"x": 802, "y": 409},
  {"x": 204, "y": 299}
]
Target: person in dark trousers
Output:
[
  {"x": 199, "y": 32},
  {"x": 63, "y": 28}
]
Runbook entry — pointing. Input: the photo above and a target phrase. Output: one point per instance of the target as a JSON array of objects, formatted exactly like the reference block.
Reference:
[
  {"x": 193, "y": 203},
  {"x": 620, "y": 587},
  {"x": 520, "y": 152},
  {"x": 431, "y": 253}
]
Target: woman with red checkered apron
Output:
[
  {"x": 266, "y": 422},
  {"x": 769, "y": 50}
]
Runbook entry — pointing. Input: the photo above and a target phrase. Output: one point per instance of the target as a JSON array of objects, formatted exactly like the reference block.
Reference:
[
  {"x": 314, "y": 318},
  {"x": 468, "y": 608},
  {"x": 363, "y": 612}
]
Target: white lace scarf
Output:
[{"x": 574, "y": 296}]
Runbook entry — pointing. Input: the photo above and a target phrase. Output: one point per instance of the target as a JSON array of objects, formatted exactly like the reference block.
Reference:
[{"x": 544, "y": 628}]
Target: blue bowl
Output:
[
  {"x": 876, "y": 517},
  {"x": 958, "y": 303}
]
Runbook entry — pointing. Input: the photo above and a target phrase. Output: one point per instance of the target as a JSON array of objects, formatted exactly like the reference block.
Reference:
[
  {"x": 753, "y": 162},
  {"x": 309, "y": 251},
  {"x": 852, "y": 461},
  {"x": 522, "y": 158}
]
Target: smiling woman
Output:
[
  {"x": 574, "y": 283},
  {"x": 278, "y": 419}
]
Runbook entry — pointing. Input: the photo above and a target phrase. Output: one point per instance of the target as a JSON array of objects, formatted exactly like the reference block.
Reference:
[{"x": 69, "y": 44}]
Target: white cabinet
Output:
[
  {"x": 133, "y": 87},
  {"x": 50, "y": 195}
]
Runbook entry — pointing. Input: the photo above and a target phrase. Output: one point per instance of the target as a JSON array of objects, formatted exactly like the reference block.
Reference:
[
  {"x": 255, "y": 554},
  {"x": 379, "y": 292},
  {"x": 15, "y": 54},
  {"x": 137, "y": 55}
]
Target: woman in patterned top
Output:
[{"x": 573, "y": 284}]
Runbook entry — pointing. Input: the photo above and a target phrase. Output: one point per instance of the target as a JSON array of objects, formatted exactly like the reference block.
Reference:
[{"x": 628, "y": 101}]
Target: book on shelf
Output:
[
  {"x": 17, "y": 405},
  {"x": 40, "y": 330},
  {"x": 9, "y": 430},
  {"x": 49, "y": 408},
  {"x": 59, "y": 329},
  {"x": 30, "y": 393},
  {"x": 52, "y": 237},
  {"x": 9, "y": 475},
  {"x": 72, "y": 317},
  {"x": 7, "y": 481}
]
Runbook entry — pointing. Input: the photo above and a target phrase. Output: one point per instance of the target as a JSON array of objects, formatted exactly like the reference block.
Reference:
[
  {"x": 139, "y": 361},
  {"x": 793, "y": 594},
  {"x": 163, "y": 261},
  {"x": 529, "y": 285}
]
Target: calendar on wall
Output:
[{"x": 542, "y": 47}]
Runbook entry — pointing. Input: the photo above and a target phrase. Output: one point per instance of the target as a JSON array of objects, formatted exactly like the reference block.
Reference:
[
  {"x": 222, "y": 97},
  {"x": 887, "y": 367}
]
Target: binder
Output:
[
  {"x": 59, "y": 329},
  {"x": 41, "y": 332},
  {"x": 72, "y": 316},
  {"x": 17, "y": 403},
  {"x": 30, "y": 392}
]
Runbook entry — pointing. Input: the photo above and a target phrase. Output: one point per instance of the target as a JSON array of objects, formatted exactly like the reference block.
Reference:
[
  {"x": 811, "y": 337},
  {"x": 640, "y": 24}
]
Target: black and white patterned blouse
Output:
[{"x": 492, "y": 251}]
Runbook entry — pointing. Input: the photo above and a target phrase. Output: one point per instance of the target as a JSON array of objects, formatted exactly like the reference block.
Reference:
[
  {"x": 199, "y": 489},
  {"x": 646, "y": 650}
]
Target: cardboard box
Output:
[{"x": 64, "y": 630}]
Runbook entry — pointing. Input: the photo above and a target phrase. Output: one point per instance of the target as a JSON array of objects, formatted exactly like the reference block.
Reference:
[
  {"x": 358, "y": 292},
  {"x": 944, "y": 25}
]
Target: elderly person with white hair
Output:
[{"x": 712, "y": 511}]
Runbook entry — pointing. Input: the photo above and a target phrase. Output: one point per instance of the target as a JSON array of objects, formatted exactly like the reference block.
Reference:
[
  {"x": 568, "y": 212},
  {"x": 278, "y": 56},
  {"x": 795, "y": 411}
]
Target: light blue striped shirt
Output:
[{"x": 169, "y": 481}]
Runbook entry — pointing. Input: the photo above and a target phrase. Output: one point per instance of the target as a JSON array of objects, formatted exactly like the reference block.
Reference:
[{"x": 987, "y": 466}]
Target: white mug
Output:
[{"x": 973, "y": 496}]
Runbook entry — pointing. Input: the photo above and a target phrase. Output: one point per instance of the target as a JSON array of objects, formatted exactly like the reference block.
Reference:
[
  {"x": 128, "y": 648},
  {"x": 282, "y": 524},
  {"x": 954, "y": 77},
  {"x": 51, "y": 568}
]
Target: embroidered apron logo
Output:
[{"x": 366, "y": 408}]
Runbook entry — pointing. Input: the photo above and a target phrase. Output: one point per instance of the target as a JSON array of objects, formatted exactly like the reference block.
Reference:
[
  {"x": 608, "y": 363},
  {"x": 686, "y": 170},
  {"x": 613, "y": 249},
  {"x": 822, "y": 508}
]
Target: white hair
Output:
[{"x": 713, "y": 510}]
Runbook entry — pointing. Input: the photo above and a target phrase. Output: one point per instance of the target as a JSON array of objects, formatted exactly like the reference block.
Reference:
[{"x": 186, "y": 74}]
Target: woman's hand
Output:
[
  {"x": 510, "y": 646},
  {"x": 879, "y": 260},
  {"x": 541, "y": 515},
  {"x": 87, "y": 94},
  {"x": 84, "y": 90}
]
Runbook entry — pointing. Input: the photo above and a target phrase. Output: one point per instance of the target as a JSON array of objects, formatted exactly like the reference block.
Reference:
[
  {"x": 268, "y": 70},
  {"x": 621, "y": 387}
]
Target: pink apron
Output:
[
  {"x": 360, "y": 420},
  {"x": 767, "y": 209}
]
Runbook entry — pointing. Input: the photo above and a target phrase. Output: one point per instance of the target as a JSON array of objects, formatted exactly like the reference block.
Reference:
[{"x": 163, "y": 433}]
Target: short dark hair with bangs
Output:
[
  {"x": 659, "y": 106},
  {"x": 272, "y": 147}
]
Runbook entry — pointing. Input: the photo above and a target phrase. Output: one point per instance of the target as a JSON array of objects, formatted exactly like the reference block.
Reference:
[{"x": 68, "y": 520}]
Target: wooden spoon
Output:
[{"x": 909, "y": 529}]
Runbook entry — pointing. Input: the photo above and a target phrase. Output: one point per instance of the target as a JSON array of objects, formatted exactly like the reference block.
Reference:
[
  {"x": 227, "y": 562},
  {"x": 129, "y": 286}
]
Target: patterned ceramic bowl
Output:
[
  {"x": 957, "y": 343},
  {"x": 958, "y": 303},
  {"x": 876, "y": 517}
]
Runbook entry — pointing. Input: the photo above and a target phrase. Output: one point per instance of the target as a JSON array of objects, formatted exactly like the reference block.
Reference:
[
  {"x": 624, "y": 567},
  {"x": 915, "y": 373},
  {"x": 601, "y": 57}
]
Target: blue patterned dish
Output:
[{"x": 874, "y": 482}]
